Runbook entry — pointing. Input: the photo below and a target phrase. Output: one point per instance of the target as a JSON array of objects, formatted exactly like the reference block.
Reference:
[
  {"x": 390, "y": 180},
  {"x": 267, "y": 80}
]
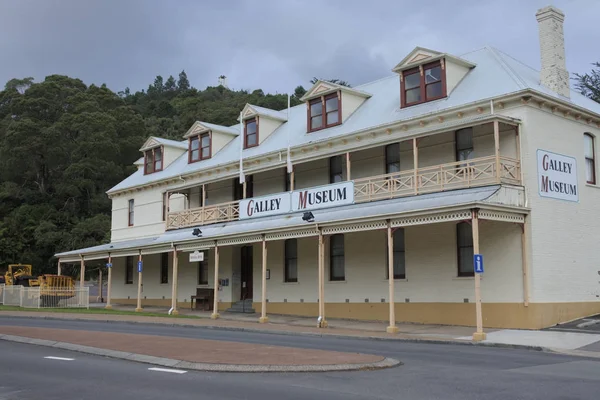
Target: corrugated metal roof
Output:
[
  {"x": 279, "y": 115},
  {"x": 173, "y": 143},
  {"x": 290, "y": 221}
]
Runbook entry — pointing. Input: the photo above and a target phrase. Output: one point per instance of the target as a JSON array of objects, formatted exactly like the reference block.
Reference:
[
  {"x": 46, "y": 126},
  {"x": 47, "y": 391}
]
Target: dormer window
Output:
[
  {"x": 200, "y": 147},
  {"x": 251, "y": 133},
  {"x": 424, "y": 83},
  {"x": 324, "y": 112},
  {"x": 153, "y": 160}
]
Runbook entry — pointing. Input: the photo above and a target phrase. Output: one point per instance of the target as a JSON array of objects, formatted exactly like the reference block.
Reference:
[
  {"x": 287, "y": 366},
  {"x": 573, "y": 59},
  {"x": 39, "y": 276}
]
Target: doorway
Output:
[{"x": 246, "y": 272}]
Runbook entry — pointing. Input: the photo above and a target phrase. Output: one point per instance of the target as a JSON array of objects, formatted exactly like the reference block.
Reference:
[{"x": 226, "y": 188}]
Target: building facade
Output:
[{"x": 311, "y": 210}]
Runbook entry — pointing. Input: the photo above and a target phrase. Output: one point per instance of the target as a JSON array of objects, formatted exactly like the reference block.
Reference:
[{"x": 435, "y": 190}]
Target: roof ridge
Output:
[
  {"x": 375, "y": 81},
  {"x": 509, "y": 70}
]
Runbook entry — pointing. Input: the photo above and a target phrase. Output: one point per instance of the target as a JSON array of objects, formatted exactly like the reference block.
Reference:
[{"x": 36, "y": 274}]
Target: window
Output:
[
  {"x": 331, "y": 115},
  {"x": 291, "y": 260},
  {"x": 129, "y": 271},
  {"x": 130, "y": 212},
  {"x": 288, "y": 180},
  {"x": 153, "y": 160},
  {"x": 392, "y": 158},
  {"x": 590, "y": 159},
  {"x": 164, "y": 206},
  {"x": 164, "y": 268},
  {"x": 251, "y": 133},
  {"x": 200, "y": 147},
  {"x": 422, "y": 84},
  {"x": 238, "y": 188},
  {"x": 464, "y": 244},
  {"x": 203, "y": 270},
  {"x": 335, "y": 169},
  {"x": 336, "y": 258},
  {"x": 399, "y": 256},
  {"x": 464, "y": 144}
]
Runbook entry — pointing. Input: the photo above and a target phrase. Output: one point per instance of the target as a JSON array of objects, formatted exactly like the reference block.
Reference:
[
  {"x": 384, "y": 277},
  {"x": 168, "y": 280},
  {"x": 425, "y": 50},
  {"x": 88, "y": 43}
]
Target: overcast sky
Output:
[{"x": 274, "y": 45}]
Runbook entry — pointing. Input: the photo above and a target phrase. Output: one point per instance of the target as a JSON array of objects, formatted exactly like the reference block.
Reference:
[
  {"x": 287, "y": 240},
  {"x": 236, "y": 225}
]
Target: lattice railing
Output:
[{"x": 204, "y": 215}]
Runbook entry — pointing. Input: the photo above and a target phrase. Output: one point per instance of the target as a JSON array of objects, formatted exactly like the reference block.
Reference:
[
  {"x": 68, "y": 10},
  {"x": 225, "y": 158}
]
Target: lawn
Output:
[{"x": 92, "y": 311}]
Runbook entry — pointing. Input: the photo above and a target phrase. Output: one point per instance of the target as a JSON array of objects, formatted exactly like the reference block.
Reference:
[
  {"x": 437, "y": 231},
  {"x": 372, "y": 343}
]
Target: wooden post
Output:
[
  {"x": 139, "y": 295},
  {"x": 203, "y": 204},
  {"x": 392, "y": 328},
  {"x": 518, "y": 143},
  {"x": 497, "y": 150},
  {"x": 59, "y": 268},
  {"x": 263, "y": 312},
  {"x": 82, "y": 273},
  {"x": 244, "y": 194},
  {"x": 174, "y": 288},
  {"x": 323, "y": 322},
  {"x": 525, "y": 261},
  {"x": 109, "y": 287},
  {"x": 100, "y": 284},
  {"x": 167, "y": 198},
  {"x": 415, "y": 166},
  {"x": 479, "y": 335},
  {"x": 215, "y": 313},
  {"x": 292, "y": 177},
  {"x": 348, "y": 169}
]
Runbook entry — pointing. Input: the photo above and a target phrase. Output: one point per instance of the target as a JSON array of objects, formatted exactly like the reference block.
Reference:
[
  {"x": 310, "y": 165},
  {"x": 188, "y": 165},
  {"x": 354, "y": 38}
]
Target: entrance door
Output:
[{"x": 246, "y": 272}]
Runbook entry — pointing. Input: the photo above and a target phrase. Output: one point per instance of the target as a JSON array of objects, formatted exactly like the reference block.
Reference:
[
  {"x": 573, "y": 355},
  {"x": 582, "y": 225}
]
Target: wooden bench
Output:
[{"x": 204, "y": 296}]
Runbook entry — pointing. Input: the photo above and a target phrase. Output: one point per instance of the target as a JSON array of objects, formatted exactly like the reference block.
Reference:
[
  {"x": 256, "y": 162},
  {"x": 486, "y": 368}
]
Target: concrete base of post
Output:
[
  {"x": 392, "y": 329},
  {"x": 323, "y": 324},
  {"x": 139, "y": 309},
  {"x": 214, "y": 316},
  {"x": 108, "y": 307},
  {"x": 479, "y": 336},
  {"x": 263, "y": 320},
  {"x": 174, "y": 312}
]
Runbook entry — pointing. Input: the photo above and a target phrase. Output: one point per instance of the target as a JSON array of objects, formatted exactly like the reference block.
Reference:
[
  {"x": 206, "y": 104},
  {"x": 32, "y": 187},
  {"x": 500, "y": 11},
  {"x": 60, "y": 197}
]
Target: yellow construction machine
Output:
[{"x": 53, "y": 288}]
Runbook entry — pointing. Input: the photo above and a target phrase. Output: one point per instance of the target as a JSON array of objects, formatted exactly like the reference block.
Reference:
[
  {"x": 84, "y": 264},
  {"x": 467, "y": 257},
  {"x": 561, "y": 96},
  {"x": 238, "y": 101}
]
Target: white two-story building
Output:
[{"x": 459, "y": 190}]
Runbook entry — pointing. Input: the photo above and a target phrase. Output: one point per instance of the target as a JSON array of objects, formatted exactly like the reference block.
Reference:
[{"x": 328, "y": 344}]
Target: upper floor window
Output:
[
  {"x": 200, "y": 147},
  {"x": 324, "y": 112},
  {"x": 422, "y": 84},
  {"x": 590, "y": 159},
  {"x": 238, "y": 188},
  {"x": 392, "y": 158},
  {"x": 335, "y": 169},
  {"x": 464, "y": 244},
  {"x": 464, "y": 144},
  {"x": 251, "y": 133},
  {"x": 153, "y": 160},
  {"x": 130, "y": 213}
]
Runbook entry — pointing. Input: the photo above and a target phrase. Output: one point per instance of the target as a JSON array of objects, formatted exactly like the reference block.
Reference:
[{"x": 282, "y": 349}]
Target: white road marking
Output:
[
  {"x": 60, "y": 358},
  {"x": 174, "y": 371}
]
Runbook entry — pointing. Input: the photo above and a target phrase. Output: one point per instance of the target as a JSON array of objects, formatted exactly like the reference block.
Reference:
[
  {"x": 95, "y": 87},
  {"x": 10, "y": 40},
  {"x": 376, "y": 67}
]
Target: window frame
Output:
[
  {"x": 164, "y": 268},
  {"x": 129, "y": 270},
  {"x": 332, "y": 174},
  {"x": 397, "y": 254},
  {"x": 422, "y": 84},
  {"x": 203, "y": 265},
  {"x": 130, "y": 212},
  {"x": 152, "y": 151},
  {"x": 246, "y": 122},
  {"x": 591, "y": 137},
  {"x": 199, "y": 137},
  {"x": 332, "y": 239},
  {"x": 323, "y": 100},
  {"x": 288, "y": 258},
  {"x": 461, "y": 273}
]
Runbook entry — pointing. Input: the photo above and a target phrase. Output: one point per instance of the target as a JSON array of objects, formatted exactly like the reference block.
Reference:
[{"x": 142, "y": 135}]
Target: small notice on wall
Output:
[
  {"x": 197, "y": 256},
  {"x": 557, "y": 176}
]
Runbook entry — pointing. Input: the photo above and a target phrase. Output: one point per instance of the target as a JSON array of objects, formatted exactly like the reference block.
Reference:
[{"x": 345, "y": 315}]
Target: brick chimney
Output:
[{"x": 554, "y": 73}]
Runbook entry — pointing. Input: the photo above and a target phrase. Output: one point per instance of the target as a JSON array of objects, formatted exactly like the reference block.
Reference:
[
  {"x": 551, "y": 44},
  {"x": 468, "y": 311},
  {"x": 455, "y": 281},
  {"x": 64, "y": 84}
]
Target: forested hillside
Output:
[{"x": 63, "y": 144}]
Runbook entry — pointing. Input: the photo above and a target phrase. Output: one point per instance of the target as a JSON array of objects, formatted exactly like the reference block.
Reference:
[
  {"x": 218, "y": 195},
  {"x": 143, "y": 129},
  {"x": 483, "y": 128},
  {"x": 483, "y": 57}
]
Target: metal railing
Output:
[
  {"x": 36, "y": 297},
  {"x": 456, "y": 175},
  {"x": 11, "y": 295}
]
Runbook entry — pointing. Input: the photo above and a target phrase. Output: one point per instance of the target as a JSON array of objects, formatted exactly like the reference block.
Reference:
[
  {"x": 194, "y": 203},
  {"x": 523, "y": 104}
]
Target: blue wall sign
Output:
[
  {"x": 108, "y": 265},
  {"x": 478, "y": 263},
  {"x": 139, "y": 266}
]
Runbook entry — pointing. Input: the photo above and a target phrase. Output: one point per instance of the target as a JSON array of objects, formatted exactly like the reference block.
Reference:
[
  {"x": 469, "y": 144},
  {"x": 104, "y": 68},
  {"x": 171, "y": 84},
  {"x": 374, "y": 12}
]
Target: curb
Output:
[
  {"x": 300, "y": 333},
  {"x": 210, "y": 367}
]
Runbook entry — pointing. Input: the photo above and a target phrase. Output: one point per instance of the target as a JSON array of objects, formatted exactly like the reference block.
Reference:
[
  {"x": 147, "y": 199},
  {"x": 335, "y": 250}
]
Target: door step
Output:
[{"x": 244, "y": 306}]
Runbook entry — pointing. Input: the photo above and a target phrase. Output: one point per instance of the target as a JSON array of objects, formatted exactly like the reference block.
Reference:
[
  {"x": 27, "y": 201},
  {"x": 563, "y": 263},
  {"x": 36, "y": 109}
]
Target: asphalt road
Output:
[{"x": 430, "y": 371}]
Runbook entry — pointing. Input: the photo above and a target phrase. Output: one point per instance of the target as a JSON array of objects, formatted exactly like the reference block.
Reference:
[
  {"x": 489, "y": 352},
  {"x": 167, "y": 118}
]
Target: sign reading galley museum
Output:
[
  {"x": 557, "y": 176},
  {"x": 334, "y": 195}
]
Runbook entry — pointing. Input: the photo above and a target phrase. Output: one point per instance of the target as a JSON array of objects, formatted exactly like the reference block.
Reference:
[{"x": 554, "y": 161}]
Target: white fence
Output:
[
  {"x": 1, "y": 293},
  {"x": 35, "y": 297}
]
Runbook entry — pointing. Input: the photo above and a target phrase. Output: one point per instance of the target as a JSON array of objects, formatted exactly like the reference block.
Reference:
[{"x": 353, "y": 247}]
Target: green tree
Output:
[
  {"x": 589, "y": 84},
  {"x": 183, "y": 83}
]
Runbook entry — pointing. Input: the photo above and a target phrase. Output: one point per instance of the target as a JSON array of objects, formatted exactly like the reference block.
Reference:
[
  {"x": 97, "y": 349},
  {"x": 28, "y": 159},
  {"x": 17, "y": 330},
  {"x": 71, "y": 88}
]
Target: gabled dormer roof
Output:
[
  {"x": 323, "y": 87},
  {"x": 154, "y": 141},
  {"x": 252, "y": 111},
  {"x": 200, "y": 126},
  {"x": 422, "y": 55}
]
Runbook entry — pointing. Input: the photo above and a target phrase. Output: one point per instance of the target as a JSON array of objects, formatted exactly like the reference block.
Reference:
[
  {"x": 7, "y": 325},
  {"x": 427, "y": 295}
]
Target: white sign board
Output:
[
  {"x": 334, "y": 195},
  {"x": 197, "y": 256},
  {"x": 557, "y": 176},
  {"x": 265, "y": 205}
]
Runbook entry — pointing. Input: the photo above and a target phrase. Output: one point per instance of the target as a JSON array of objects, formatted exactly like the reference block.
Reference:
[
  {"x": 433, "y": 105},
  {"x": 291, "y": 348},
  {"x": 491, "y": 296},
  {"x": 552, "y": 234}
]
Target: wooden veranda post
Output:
[
  {"x": 59, "y": 272},
  {"x": 263, "y": 312},
  {"x": 82, "y": 273},
  {"x": 109, "y": 286},
  {"x": 215, "y": 313},
  {"x": 139, "y": 294},
  {"x": 174, "y": 288},
  {"x": 497, "y": 150},
  {"x": 348, "y": 167},
  {"x": 392, "y": 328},
  {"x": 323, "y": 321},
  {"x": 479, "y": 335},
  {"x": 525, "y": 261},
  {"x": 415, "y": 166}
]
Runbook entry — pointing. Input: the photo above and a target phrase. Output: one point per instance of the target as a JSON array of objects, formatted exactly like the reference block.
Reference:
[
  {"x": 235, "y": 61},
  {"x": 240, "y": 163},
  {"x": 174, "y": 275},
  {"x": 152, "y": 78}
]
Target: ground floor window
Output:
[
  {"x": 399, "y": 256},
  {"x": 291, "y": 260},
  {"x": 203, "y": 270},
  {"x": 164, "y": 268},
  {"x": 129, "y": 271},
  {"x": 464, "y": 244},
  {"x": 336, "y": 258}
]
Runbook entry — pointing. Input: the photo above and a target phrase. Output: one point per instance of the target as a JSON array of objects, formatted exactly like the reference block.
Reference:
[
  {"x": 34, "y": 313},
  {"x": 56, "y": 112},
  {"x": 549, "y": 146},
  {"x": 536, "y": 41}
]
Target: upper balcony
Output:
[{"x": 487, "y": 155}]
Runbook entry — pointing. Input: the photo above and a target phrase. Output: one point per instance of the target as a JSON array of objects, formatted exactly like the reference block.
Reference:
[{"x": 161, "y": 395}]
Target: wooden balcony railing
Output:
[{"x": 457, "y": 175}]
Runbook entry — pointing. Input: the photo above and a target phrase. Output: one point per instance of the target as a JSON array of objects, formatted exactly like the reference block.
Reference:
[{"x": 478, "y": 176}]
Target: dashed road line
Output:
[
  {"x": 60, "y": 358},
  {"x": 173, "y": 371}
]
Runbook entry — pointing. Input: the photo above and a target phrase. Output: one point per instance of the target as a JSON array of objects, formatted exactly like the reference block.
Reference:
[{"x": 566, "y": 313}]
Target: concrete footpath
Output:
[{"x": 584, "y": 344}]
